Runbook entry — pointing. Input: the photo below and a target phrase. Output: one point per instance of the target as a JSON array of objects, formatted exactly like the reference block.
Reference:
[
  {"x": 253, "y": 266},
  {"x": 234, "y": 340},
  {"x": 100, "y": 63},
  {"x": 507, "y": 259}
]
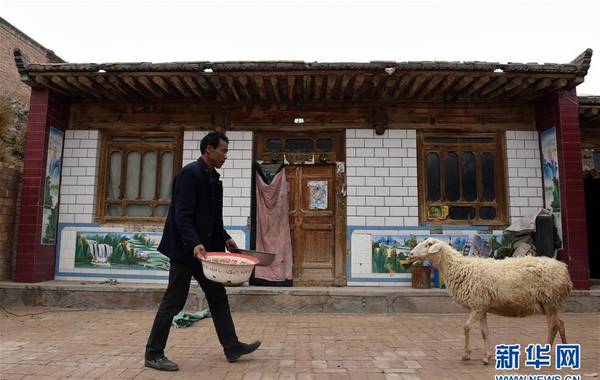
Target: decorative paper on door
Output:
[{"x": 318, "y": 195}]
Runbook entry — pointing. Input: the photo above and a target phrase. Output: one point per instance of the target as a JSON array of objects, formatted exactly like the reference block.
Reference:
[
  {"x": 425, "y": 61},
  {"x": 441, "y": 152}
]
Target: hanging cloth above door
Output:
[{"x": 268, "y": 171}]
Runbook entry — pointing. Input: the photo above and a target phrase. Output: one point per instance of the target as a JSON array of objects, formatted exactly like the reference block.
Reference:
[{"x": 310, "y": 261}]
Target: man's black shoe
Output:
[
  {"x": 235, "y": 353},
  {"x": 161, "y": 364}
]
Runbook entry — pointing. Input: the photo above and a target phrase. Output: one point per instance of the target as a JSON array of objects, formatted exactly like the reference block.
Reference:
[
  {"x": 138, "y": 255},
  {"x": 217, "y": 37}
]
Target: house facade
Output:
[{"x": 377, "y": 156}]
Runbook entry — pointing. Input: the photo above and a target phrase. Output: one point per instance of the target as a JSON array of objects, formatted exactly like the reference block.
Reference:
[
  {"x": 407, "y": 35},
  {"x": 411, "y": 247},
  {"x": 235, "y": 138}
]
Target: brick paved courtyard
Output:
[{"x": 104, "y": 344}]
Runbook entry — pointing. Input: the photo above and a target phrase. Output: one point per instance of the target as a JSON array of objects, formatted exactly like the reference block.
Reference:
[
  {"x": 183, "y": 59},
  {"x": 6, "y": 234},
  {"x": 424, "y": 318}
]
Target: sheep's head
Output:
[{"x": 427, "y": 250}]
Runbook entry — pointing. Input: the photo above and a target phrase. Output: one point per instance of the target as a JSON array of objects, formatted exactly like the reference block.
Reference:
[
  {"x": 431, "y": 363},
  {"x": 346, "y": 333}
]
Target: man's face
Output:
[{"x": 217, "y": 156}]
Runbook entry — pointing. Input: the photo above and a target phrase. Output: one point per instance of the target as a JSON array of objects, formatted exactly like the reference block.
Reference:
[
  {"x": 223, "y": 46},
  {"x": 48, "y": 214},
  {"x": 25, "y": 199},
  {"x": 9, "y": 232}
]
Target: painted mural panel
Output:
[
  {"x": 390, "y": 252},
  {"x": 119, "y": 250},
  {"x": 51, "y": 186},
  {"x": 551, "y": 176}
]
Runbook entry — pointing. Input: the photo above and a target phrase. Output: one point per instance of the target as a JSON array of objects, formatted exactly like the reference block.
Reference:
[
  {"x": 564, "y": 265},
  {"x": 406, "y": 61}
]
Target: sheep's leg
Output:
[
  {"x": 552, "y": 321},
  {"x": 487, "y": 351},
  {"x": 561, "y": 330},
  {"x": 472, "y": 318}
]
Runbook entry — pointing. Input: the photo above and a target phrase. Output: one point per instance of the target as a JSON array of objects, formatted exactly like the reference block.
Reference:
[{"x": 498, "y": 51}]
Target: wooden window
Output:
[
  {"x": 135, "y": 176},
  {"x": 461, "y": 178}
]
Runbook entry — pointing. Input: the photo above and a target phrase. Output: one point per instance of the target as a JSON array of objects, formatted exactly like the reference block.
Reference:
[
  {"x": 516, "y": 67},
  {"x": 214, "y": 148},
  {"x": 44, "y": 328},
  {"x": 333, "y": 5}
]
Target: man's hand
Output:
[
  {"x": 231, "y": 245},
  {"x": 199, "y": 252}
]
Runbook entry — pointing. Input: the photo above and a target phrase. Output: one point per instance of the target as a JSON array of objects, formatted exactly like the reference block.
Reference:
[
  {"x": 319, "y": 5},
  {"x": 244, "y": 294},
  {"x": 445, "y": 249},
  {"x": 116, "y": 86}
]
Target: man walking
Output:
[{"x": 194, "y": 226}]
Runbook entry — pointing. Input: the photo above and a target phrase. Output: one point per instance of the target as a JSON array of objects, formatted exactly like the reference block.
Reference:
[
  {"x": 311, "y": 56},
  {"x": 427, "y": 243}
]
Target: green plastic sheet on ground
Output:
[{"x": 186, "y": 319}]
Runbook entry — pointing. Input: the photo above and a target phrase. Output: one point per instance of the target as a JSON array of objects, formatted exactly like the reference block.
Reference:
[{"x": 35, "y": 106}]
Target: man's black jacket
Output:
[{"x": 195, "y": 214}]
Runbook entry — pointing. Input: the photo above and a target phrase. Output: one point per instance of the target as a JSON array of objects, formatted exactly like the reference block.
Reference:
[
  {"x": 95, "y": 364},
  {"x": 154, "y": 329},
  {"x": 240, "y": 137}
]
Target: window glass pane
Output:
[
  {"x": 476, "y": 140},
  {"x": 114, "y": 210},
  {"x": 126, "y": 138},
  {"x": 149, "y": 176},
  {"x": 161, "y": 211},
  {"x": 469, "y": 177},
  {"x": 433, "y": 177},
  {"x": 133, "y": 175},
  {"x": 166, "y": 175},
  {"x": 324, "y": 144},
  {"x": 487, "y": 212},
  {"x": 441, "y": 139},
  {"x": 160, "y": 139},
  {"x": 487, "y": 176},
  {"x": 451, "y": 176},
  {"x": 461, "y": 212},
  {"x": 299, "y": 144},
  {"x": 274, "y": 145},
  {"x": 113, "y": 188},
  {"x": 139, "y": 211}
]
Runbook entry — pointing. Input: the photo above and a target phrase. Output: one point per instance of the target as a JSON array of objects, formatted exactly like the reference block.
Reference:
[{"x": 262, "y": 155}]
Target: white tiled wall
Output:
[
  {"x": 525, "y": 191},
  {"x": 382, "y": 177},
  {"x": 236, "y": 174},
  {"x": 78, "y": 184}
]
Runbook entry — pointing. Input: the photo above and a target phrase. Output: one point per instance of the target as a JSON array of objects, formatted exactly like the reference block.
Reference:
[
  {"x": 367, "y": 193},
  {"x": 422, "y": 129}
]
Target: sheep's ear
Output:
[{"x": 434, "y": 248}]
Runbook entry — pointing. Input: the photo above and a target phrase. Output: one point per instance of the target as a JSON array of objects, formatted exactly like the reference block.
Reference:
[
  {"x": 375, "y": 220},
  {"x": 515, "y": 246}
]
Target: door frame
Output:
[{"x": 340, "y": 221}]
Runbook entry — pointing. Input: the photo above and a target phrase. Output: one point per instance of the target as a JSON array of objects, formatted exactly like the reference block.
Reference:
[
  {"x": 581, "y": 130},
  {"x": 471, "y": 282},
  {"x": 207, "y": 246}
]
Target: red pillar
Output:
[
  {"x": 35, "y": 262},
  {"x": 561, "y": 111}
]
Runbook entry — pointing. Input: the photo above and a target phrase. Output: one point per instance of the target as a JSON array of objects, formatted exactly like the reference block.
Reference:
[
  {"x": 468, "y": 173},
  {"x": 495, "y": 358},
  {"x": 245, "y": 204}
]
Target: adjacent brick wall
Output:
[
  {"x": 236, "y": 174},
  {"x": 525, "y": 190},
  {"x": 10, "y": 179},
  {"x": 78, "y": 183},
  {"x": 35, "y": 262},
  {"x": 561, "y": 111},
  {"x": 10, "y": 82},
  {"x": 381, "y": 178}
]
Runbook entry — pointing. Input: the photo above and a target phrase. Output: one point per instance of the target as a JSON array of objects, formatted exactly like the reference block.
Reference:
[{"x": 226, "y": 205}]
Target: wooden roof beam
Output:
[
  {"x": 149, "y": 85},
  {"x": 215, "y": 81},
  {"x": 191, "y": 83},
  {"x": 357, "y": 85},
  {"x": 387, "y": 90},
  {"x": 475, "y": 87},
  {"x": 137, "y": 87},
  {"x": 94, "y": 88},
  {"x": 402, "y": 86},
  {"x": 207, "y": 88},
  {"x": 431, "y": 85},
  {"x": 309, "y": 87},
  {"x": 461, "y": 85},
  {"x": 379, "y": 83},
  {"x": 274, "y": 86},
  {"x": 104, "y": 83},
  {"x": 527, "y": 82},
  {"x": 178, "y": 85},
  {"x": 119, "y": 85},
  {"x": 419, "y": 82},
  {"x": 259, "y": 83},
  {"x": 59, "y": 85},
  {"x": 243, "y": 87},
  {"x": 444, "y": 88},
  {"x": 493, "y": 85},
  {"x": 331, "y": 79},
  {"x": 511, "y": 84},
  {"x": 318, "y": 79}
]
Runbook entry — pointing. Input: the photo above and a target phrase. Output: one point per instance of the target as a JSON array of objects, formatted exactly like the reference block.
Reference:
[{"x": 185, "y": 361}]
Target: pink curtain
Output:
[{"x": 273, "y": 227}]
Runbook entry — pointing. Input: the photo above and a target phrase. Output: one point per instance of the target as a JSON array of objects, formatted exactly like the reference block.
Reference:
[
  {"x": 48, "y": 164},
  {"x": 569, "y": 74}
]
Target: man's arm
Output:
[{"x": 185, "y": 195}]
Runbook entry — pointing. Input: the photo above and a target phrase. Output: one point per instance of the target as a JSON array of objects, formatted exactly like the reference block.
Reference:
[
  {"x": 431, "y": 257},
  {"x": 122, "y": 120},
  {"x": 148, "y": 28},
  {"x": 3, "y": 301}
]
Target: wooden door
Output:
[
  {"x": 312, "y": 223},
  {"x": 314, "y": 162}
]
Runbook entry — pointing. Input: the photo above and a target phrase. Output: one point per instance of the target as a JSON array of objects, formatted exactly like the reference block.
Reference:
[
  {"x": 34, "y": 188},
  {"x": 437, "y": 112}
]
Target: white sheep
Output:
[{"x": 513, "y": 287}]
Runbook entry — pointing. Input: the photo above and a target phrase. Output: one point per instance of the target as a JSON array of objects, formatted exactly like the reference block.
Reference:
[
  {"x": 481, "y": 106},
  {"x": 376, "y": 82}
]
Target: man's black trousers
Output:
[{"x": 174, "y": 300}]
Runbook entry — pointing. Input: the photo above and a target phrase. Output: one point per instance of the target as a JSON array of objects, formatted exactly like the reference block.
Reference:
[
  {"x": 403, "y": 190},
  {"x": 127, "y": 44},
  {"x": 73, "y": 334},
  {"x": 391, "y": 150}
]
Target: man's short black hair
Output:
[{"x": 213, "y": 139}]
